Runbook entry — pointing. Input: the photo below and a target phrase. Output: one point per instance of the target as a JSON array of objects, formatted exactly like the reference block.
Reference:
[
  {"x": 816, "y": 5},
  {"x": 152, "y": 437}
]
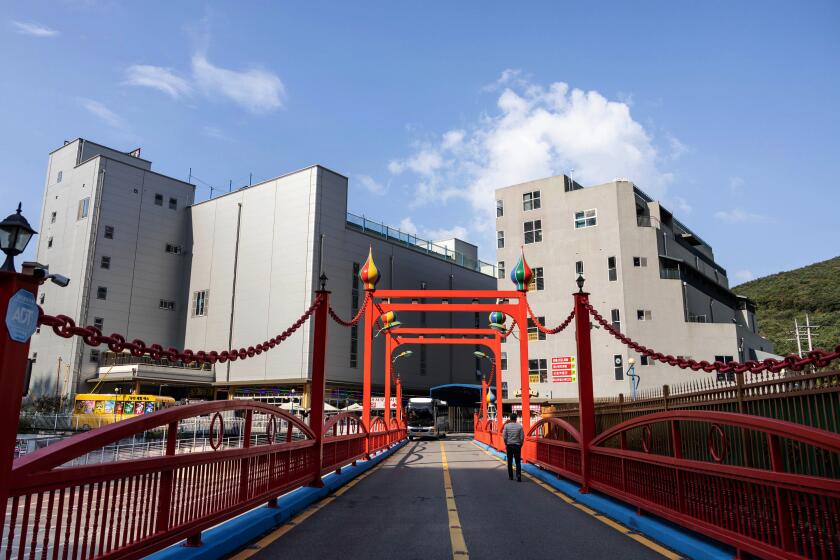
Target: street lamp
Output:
[
  {"x": 161, "y": 386},
  {"x": 634, "y": 378},
  {"x": 15, "y": 233},
  {"x": 580, "y": 280},
  {"x": 490, "y": 397},
  {"x": 293, "y": 400}
]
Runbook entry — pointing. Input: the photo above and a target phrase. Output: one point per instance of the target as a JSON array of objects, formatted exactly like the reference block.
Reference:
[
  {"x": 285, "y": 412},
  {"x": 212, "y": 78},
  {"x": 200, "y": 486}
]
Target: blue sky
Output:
[{"x": 727, "y": 112}]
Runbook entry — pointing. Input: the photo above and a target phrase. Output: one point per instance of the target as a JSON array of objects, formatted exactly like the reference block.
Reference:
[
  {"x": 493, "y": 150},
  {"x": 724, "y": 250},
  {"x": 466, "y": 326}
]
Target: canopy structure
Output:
[
  {"x": 355, "y": 407},
  {"x": 457, "y": 394}
]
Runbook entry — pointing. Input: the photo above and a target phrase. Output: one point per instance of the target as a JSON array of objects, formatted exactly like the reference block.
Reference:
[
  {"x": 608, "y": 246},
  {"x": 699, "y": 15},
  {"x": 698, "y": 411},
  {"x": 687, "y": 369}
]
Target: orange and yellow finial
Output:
[{"x": 369, "y": 274}]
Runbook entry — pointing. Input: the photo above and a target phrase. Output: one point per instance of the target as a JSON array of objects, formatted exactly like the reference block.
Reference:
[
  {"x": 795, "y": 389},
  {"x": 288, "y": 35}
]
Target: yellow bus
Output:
[{"x": 92, "y": 410}]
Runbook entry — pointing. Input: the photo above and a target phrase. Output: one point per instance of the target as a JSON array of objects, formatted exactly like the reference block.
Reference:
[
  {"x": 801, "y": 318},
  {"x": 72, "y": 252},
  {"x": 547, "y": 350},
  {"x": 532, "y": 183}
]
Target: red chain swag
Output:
[
  {"x": 818, "y": 357},
  {"x": 355, "y": 318},
  {"x": 65, "y": 327},
  {"x": 542, "y": 328}
]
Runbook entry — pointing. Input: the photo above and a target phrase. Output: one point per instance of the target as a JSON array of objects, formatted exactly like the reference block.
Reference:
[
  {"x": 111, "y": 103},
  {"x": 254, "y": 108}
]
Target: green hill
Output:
[{"x": 814, "y": 289}]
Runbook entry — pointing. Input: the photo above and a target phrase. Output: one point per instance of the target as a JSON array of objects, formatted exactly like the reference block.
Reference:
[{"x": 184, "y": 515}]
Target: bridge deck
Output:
[{"x": 400, "y": 511}]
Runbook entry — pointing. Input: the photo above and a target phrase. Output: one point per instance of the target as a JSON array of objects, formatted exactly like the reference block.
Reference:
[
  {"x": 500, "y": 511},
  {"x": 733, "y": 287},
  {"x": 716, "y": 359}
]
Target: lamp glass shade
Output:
[
  {"x": 22, "y": 240},
  {"x": 7, "y": 234}
]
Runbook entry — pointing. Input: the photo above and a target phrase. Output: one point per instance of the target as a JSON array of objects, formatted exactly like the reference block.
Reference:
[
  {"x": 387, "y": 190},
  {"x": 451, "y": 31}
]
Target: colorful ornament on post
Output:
[
  {"x": 491, "y": 398},
  {"x": 369, "y": 274},
  {"x": 497, "y": 321},
  {"x": 521, "y": 274},
  {"x": 389, "y": 321}
]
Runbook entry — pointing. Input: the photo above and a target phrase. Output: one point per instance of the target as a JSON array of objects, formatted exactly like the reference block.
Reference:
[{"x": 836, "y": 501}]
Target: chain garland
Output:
[
  {"x": 65, "y": 327},
  {"x": 817, "y": 357},
  {"x": 542, "y": 328},
  {"x": 355, "y": 318}
]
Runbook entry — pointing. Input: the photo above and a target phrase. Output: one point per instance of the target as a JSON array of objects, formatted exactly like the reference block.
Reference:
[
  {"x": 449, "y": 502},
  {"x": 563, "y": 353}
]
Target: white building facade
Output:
[{"x": 647, "y": 273}]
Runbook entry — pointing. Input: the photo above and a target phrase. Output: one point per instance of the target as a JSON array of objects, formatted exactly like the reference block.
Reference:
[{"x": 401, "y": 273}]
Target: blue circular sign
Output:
[{"x": 22, "y": 316}]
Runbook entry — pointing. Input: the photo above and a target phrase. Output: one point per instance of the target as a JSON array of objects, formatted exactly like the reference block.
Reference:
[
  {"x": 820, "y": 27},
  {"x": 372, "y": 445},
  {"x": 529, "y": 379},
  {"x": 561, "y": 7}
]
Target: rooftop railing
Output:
[{"x": 411, "y": 241}]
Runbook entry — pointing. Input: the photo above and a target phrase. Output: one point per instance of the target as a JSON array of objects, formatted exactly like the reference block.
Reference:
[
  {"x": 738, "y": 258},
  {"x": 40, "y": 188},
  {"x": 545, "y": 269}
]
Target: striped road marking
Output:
[
  {"x": 456, "y": 536},
  {"x": 638, "y": 537}
]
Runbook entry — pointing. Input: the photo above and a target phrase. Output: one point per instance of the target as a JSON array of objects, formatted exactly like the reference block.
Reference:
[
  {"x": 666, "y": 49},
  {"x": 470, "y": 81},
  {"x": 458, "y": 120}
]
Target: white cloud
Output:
[
  {"x": 737, "y": 216},
  {"x": 159, "y": 78},
  {"x": 372, "y": 185},
  {"x": 736, "y": 184},
  {"x": 257, "y": 90},
  {"x": 537, "y": 131},
  {"x": 677, "y": 148},
  {"x": 408, "y": 226},
  {"x": 214, "y": 132},
  {"x": 446, "y": 233},
  {"x": 33, "y": 29},
  {"x": 742, "y": 276},
  {"x": 103, "y": 113}
]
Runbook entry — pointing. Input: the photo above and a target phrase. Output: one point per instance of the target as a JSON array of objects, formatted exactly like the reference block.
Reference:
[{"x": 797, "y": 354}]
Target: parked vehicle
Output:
[{"x": 427, "y": 418}]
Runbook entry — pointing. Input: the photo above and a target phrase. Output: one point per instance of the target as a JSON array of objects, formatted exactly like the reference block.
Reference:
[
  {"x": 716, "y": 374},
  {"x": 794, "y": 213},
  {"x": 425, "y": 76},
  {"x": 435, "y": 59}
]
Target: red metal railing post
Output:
[
  {"x": 244, "y": 462},
  {"x": 399, "y": 401},
  {"x": 319, "y": 359},
  {"x": 165, "y": 488},
  {"x": 586, "y": 395},
  {"x": 366, "y": 363},
  {"x": 676, "y": 446},
  {"x": 13, "y": 356},
  {"x": 483, "y": 397},
  {"x": 782, "y": 506},
  {"x": 497, "y": 371}
]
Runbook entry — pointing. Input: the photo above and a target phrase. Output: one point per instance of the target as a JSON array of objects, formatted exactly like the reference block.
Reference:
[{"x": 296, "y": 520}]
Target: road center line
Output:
[{"x": 456, "y": 535}]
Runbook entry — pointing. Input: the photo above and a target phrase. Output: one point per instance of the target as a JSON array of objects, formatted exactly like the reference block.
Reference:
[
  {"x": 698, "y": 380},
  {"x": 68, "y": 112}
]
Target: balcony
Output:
[
  {"x": 365, "y": 225},
  {"x": 643, "y": 220}
]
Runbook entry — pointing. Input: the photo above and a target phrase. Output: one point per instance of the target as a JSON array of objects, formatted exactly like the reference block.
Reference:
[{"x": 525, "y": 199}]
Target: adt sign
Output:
[{"x": 22, "y": 316}]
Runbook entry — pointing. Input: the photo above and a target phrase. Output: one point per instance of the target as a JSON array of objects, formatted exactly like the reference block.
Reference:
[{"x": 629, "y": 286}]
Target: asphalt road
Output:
[{"x": 400, "y": 511}]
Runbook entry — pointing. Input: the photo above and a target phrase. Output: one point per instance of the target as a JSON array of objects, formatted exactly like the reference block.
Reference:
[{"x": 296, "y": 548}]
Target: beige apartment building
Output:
[{"x": 654, "y": 278}]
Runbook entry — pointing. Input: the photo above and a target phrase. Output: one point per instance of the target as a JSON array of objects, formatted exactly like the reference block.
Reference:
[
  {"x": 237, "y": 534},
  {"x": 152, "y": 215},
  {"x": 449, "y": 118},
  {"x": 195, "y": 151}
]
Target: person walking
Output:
[{"x": 513, "y": 436}]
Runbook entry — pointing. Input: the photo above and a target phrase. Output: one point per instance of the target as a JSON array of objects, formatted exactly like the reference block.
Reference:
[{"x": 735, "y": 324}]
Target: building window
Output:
[
  {"x": 84, "y": 207},
  {"x": 533, "y": 231},
  {"x": 199, "y": 308},
  {"x": 533, "y": 332},
  {"x": 174, "y": 249},
  {"x": 52, "y": 218},
  {"x": 578, "y": 269},
  {"x": 537, "y": 280},
  {"x": 99, "y": 323},
  {"x": 643, "y": 314},
  {"x": 59, "y": 177},
  {"x": 501, "y": 269},
  {"x": 531, "y": 200},
  {"x": 109, "y": 232},
  {"x": 105, "y": 262},
  {"x": 616, "y": 319},
  {"x": 645, "y": 361},
  {"x": 618, "y": 363},
  {"x": 94, "y": 356},
  {"x": 504, "y": 390},
  {"x": 101, "y": 292},
  {"x": 613, "y": 273},
  {"x": 538, "y": 370},
  {"x": 158, "y": 199},
  {"x": 173, "y": 203},
  {"x": 49, "y": 242},
  {"x": 500, "y": 239},
  {"x": 639, "y": 261},
  {"x": 586, "y": 218},
  {"x": 724, "y": 359},
  {"x": 500, "y": 209},
  {"x": 504, "y": 361},
  {"x": 42, "y": 297},
  {"x": 354, "y": 308},
  {"x": 169, "y": 305}
]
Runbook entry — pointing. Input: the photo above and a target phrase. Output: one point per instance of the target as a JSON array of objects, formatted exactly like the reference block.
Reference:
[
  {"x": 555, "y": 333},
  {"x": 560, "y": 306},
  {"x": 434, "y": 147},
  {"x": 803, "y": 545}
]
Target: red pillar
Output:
[
  {"x": 366, "y": 364},
  {"x": 389, "y": 348},
  {"x": 586, "y": 395},
  {"x": 13, "y": 356},
  {"x": 316, "y": 396},
  {"x": 497, "y": 371},
  {"x": 522, "y": 321},
  {"x": 483, "y": 398},
  {"x": 399, "y": 402}
]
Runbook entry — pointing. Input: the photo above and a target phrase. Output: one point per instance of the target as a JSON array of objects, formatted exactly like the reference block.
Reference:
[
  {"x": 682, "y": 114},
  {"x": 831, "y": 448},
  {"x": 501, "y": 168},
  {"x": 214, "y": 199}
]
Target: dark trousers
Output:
[{"x": 514, "y": 452}]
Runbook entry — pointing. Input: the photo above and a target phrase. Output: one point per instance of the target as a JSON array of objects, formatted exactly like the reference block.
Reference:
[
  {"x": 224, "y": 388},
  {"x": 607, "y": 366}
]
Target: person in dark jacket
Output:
[{"x": 513, "y": 436}]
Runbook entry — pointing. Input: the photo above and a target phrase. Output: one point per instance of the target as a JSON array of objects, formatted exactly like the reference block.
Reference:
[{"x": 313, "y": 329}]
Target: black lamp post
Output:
[
  {"x": 579, "y": 283},
  {"x": 15, "y": 233}
]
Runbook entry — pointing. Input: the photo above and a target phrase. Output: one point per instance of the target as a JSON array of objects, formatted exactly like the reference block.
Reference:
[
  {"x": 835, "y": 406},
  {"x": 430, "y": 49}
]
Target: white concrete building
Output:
[
  {"x": 118, "y": 230},
  {"x": 228, "y": 272},
  {"x": 646, "y": 272}
]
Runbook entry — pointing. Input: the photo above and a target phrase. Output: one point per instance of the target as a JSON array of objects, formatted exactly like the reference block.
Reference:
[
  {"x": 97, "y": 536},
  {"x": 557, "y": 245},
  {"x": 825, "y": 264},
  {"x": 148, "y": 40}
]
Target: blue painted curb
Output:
[
  {"x": 680, "y": 540},
  {"x": 230, "y": 536}
]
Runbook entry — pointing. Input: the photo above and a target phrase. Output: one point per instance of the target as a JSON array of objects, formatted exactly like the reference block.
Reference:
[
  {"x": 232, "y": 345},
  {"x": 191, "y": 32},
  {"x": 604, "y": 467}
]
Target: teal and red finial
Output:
[
  {"x": 491, "y": 398},
  {"x": 369, "y": 274},
  {"x": 497, "y": 320},
  {"x": 389, "y": 321},
  {"x": 521, "y": 274}
]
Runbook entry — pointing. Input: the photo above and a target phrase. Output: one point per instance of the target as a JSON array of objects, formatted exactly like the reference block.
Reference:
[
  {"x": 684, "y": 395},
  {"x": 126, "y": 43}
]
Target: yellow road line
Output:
[
  {"x": 456, "y": 535},
  {"x": 302, "y": 516},
  {"x": 638, "y": 537}
]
